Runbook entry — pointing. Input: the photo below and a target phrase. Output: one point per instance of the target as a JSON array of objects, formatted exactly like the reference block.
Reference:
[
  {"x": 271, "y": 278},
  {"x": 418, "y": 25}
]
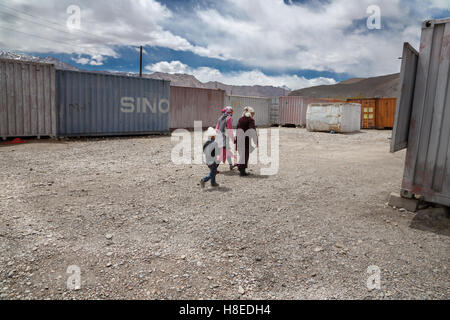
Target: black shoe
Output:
[
  {"x": 215, "y": 185},
  {"x": 202, "y": 184},
  {"x": 243, "y": 173}
]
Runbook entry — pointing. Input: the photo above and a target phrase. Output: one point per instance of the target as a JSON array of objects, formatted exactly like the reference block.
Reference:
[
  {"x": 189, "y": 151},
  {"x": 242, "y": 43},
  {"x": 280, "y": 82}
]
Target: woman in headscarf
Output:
[
  {"x": 225, "y": 129},
  {"x": 245, "y": 123}
]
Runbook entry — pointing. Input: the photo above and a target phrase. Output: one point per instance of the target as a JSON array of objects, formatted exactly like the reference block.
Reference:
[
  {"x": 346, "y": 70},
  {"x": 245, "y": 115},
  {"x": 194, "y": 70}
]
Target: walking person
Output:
[
  {"x": 246, "y": 123},
  {"x": 210, "y": 148},
  {"x": 225, "y": 128}
]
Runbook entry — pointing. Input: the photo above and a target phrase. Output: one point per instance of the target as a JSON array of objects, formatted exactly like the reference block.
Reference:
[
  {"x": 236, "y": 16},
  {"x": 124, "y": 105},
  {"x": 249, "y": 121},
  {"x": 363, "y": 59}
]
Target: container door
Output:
[
  {"x": 385, "y": 113},
  {"x": 403, "y": 110},
  {"x": 367, "y": 114}
]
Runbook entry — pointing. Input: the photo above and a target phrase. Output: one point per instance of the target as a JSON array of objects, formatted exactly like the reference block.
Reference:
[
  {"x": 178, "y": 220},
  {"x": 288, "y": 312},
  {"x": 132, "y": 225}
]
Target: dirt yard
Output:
[{"x": 140, "y": 227}]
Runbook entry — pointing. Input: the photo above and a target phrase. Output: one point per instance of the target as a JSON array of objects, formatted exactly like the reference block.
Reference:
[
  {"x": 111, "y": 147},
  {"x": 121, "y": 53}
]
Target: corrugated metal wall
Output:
[
  {"x": 195, "y": 104},
  {"x": 338, "y": 117},
  {"x": 385, "y": 113},
  {"x": 27, "y": 99},
  {"x": 405, "y": 99},
  {"x": 274, "y": 113},
  {"x": 92, "y": 104},
  {"x": 377, "y": 112},
  {"x": 293, "y": 109},
  {"x": 259, "y": 104},
  {"x": 427, "y": 164}
]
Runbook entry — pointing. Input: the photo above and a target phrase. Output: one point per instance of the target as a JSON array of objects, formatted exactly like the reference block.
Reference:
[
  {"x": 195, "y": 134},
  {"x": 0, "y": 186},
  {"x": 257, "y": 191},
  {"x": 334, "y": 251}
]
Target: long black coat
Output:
[{"x": 245, "y": 123}]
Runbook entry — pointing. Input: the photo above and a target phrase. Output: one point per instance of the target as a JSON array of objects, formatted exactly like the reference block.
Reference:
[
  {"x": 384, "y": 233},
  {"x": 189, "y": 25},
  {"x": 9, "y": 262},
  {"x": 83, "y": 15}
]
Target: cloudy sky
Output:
[{"x": 265, "y": 42}]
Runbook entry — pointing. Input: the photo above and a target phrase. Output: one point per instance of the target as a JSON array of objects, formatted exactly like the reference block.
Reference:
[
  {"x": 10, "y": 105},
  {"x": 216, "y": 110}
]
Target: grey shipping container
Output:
[
  {"x": 422, "y": 122},
  {"x": 27, "y": 99},
  {"x": 274, "y": 111},
  {"x": 259, "y": 104},
  {"x": 96, "y": 104}
]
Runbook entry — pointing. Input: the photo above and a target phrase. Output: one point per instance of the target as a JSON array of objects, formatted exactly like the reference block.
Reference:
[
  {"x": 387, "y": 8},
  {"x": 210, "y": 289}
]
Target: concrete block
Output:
[{"x": 395, "y": 200}]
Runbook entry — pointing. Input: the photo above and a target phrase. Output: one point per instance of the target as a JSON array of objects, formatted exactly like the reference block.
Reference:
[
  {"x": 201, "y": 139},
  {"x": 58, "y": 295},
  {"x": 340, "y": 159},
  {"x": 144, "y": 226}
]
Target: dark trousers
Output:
[
  {"x": 243, "y": 159},
  {"x": 212, "y": 173}
]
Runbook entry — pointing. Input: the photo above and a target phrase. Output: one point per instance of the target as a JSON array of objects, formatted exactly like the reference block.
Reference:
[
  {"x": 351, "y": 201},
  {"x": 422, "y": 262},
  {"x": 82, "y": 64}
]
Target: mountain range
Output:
[{"x": 375, "y": 87}]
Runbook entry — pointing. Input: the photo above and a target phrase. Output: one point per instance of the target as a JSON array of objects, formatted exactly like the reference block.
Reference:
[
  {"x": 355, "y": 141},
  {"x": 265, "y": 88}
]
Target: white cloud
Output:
[
  {"x": 82, "y": 61},
  {"x": 440, "y": 4},
  {"x": 104, "y": 26},
  {"x": 253, "y": 77},
  {"x": 319, "y": 36},
  {"x": 260, "y": 34},
  {"x": 168, "y": 67},
  {"x": 300, "y": 37},
  {"x": 95, "y": 60}
]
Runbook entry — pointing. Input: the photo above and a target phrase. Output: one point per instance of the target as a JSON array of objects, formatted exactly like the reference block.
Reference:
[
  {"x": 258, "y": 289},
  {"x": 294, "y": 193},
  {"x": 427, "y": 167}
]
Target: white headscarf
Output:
[
  {"x": 248, "y": 112},
  {"x": 211, "y": 132}
]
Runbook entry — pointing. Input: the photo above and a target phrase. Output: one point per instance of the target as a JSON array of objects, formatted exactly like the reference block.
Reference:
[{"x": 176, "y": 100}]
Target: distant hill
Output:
[
  {"x": 376, "y": 87},
  {"x": 184, "y": 80},
  {"x": 58, "y": 63}
]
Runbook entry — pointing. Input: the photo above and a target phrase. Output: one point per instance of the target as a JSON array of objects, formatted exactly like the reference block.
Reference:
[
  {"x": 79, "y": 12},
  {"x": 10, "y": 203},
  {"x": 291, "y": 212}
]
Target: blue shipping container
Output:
[{"x": 95, "y": 104}]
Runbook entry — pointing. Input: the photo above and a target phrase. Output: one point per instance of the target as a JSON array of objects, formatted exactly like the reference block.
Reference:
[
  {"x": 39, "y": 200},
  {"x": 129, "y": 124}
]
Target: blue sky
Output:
[{"x": 268, "y": 42}]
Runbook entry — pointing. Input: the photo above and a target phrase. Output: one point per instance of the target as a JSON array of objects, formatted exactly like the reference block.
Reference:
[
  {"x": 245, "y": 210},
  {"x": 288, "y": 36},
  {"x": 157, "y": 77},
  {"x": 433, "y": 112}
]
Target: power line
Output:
[
  {"x": 29, "y": 14},
  {"x": 44, "y": 38},
  {"x": 52, "y": 22},
  {"x": 46, "y": 26},
  {"x": 97, "y": 37}
]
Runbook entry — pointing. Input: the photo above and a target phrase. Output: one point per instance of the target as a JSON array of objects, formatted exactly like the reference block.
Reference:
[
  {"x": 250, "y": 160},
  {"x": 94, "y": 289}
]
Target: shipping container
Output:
[
  {"x": 337, "y": 117},
  {"x": 385, "y": 113},
  {"x": 195, "y": 104},
  {"x": 27, "y": 99},
  {"x": 368, "y": 112},
  {"x": 97, "y": 104},
  {"x": 274, "y": 113},
  {"x": 293, "y": 109},
  {"x": 260, "y": 105},
  {"x": 376, "y": 112},
  {"x": 422, "y": 122}
]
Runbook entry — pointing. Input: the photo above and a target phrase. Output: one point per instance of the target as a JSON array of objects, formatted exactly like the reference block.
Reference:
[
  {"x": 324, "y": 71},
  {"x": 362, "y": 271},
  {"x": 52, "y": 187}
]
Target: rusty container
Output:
[
  {"x": 368, "y": 112},
  {"x": 195, "y": 104},
  {"x": 385, "y": 113}
]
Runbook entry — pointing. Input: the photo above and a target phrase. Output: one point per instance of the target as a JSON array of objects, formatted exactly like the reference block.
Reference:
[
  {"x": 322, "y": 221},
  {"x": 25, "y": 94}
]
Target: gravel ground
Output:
[{"x": 140, "y": 227}]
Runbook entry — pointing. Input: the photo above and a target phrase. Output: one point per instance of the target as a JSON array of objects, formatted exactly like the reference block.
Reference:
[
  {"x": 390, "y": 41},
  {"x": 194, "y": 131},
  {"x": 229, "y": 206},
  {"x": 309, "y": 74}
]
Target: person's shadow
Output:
[
  {"x": 218, "y": 189},
  {"x": 255, "y": 176},
  {"x": 250, "y": 176}
]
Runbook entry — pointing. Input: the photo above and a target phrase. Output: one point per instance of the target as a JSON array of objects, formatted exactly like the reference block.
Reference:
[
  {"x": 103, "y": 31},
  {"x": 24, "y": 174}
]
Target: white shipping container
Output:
[
  {"x": 337, "y": 117},
  {"x": 261, "y": 105}
]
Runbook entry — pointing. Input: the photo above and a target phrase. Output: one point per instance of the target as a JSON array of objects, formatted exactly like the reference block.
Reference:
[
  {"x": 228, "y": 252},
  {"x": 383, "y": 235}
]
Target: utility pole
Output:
[{"x": 140, "y": 68}]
